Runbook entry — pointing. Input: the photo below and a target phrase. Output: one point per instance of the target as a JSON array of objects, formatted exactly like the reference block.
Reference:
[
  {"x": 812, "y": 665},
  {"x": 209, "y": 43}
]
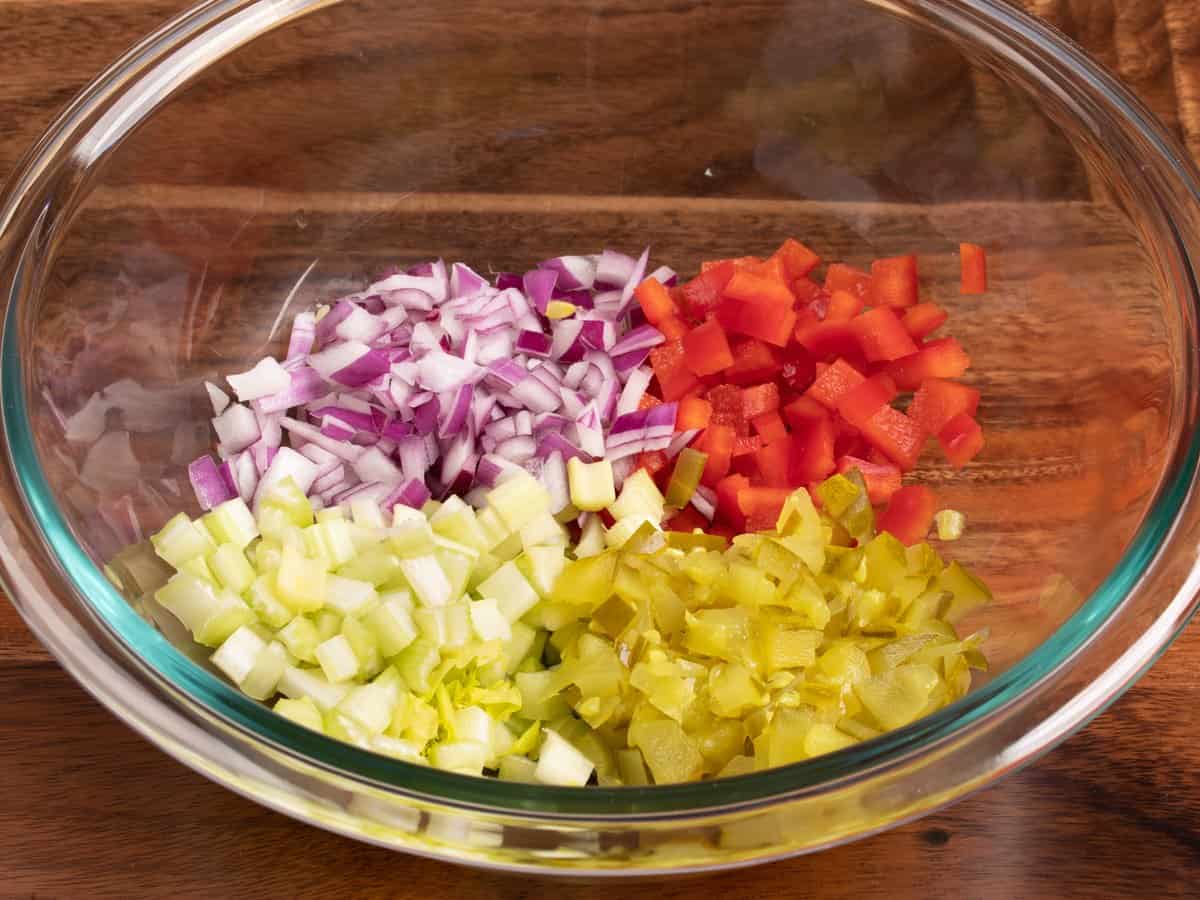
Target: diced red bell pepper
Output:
[
  {"x": 833, "y": 382},
  {"x": 726, "y": 403},
  {"x": 771, "y": 268},
  {"x": 909, "y": 514},
  {"x": 861, "y": 402},
  {"x": 798, "y": 370},
  {"x": 829, "y": 340},
  {"x": 893, "y": 282},
  {"x": 802, "y": 410},
  {"x": 765, "y": 321},
  {"x": 648, "y": 401},
  {"x": 797, "y": 259},
  {"x": 673, "y": 328},
  {"x": 943, "y": 358},
  {"x": 706, "y": 349},
  {"x": 841, "y": 277},
  {"x": 728, "y": 508},
  {"x": 812, "y": 452},
  {"x": 882, "y": 480},
  {"x": 717, "y": 442},
  {"x": 693, "y": 413},
  {"x": 807, "y": 291},
  {"x": 850, "y": 442},
  {"x": 654, "y": 298},
  {"x": 687, "y": 519},
  {"x": 938, "y": 401},
  {"x": 653, "y": 461},
  {"x": 746, "y": 445},
  {"x": 924, "y": 319},
  {"x": 769, "y": 426},
  {"x": 762, "y": 505},
  {"x": 672, "y": 373},
  {"x": 961, "y": 439},
  {"x": 974, "y": 268},
  {"x": 759, "y": 399},
  {"x": 753, "y": 362},
  {"x": 898, "y": 436},
  {"x": 702, "y": 295},
  {"x": 883, "y": 336},
  {"x": 843, "y": 306},
  {"x": 762, "y": 291},
  {"x": 736, "y": 262},
  {"x": 773, "y": 462}
]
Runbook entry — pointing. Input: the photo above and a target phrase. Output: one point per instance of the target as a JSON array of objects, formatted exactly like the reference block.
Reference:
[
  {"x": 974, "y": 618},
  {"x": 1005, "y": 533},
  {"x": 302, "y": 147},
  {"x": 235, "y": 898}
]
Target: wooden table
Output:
[{"x": 90, "y": 809}]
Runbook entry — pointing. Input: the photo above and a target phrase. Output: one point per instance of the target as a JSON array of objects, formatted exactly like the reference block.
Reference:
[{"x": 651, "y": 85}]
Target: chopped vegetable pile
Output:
[{"x": 436, "y": 529}]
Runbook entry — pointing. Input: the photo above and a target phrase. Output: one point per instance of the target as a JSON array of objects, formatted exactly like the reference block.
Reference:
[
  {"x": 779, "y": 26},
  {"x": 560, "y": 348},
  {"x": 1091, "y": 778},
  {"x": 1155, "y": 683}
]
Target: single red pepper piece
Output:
[
  {"x": 771, "y": 268},
  {"x": 762, "y": 505},
  {"x": 674, "y": 379},
  {"x": 737, "y": 262},
  {"x": 746, "y": 445},
  {"x": 702, "y": 295},
  {"x": 833, "y": 382},
  {"x": 753, "y": 362},
  {"x": 898, "y": 436},
  {"x": 774, "y": 462},
  {"x": 883, "y": 336},
  {"x": 798, "y": 370},
  {"x": 655, "y": 300},
  {"x": 961, "y": 439},
  {"x": 802, "y": 410},
  {"x": 673, "y": 328},
  {"x": 841, "y": 277},
  {"x": 974, "y": 268},
  {"x": 797, "y": 259},
  {"x": 717, "y": 442},
  {"x": 769, "y": 426},
  {"x": 648, "y": 401},
  {"x": 850, "y": 442},
  {"x": 706, "y": 349},
  {"x": 882, "y": 480},
  {"x": 693, "y": 413},
  {"x": 943, "y": 358},
  {"x": 937, "y": 401},
  {"x": 807, "y": 291},
  {"x": 759, "y": 399},
  {"x": 893, "y": 282},
  {"x": 687, "y": 519},
  {"x": 766, "y": 321},
  {"x": 653, "y": 461},
  {"x": 924, "y": 319},
  {"x": 843, "y": 306},
  {"x": 829, "y": 340},
  {"x": 909, "y": 514},
  {"x": 726, "y": 403},
  {"x": 812, "y": 452},
  {"x": 728, "y": 509},
  {"x": 861, "y": 402},
  {"x": 762, "y": 291}
]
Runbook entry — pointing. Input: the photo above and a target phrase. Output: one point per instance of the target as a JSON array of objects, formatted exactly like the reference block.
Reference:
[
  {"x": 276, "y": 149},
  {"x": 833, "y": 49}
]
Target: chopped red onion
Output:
[
  {"x": 538, "y": 285},
  {"x": 574, "y": 272},
  {"x": 211, "y": 489},
  {"x": 219, "y": 399}
]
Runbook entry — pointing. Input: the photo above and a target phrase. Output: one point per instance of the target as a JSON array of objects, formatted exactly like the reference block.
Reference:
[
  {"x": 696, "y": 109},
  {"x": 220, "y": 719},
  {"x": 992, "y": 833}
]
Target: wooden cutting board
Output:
[{"x": 92, "y": 810}]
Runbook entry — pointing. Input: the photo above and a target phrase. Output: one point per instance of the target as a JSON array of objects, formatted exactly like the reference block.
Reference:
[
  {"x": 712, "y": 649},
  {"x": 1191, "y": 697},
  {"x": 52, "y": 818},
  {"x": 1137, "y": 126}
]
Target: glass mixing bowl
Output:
[{"x": 255, "y": 156}]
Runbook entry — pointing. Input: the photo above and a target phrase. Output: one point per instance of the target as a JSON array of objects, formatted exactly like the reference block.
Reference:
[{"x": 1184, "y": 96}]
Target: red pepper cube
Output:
[
  {"x": 726, "y": 403},
  {"x": 812, "y": 452},
  {"x": 829, "y": 340},
  {"x": 961, "y": 439},
  {"x": 774, "y": 462},
  {"x": 706, "y": 349},
  {"x": 759, "y": 399},
  {"x": 806, "y": 291},
  {"x": 883, "y": 336},
  {"x": 833, "y": 382},
  {"x": 924, "y": 319},
  {"x": 850, "y": 442},
  {"x": 753, "y": 361},
  {"x": 909, "y": 514},
  {"x": 841, "y": 277},
  {"x": 672, "y": 327},
  {"x": 687, "y": 519},
  {"x": 693, "y": 413},
  {"x": 746, "y": 445},
  {"x": 797, "y": 259},
  {"x": 654, "y": 298},
  {"x": 769, "y": 426},
  {"x": 728, "y": 508},
  {"x": 762, "y": 505},
  {"x": 759, "y": 290},
  {"x": 894, "y": 433},
  {"x": 673, "y": 376},
  {"x": 764, "y": 321},
  {"x": 702, "y": 295},
  {"x": 894, "y": 282},
  {"x": 798, "y": 370},
  {"x": 937, "y": 401},
  {"x": 717, "y": 442},
  {"x": 803, "y": 410},
  {"x": 883, "y": 480},
  {"x": 974, "y": 268},
  {"x": 861, "y": 402},
  {"x": 771, "y": 268},
  {"x": 943, "y": 358},
  {"x": 843, "y": 306},
  {"x": 735, "y": 263}
]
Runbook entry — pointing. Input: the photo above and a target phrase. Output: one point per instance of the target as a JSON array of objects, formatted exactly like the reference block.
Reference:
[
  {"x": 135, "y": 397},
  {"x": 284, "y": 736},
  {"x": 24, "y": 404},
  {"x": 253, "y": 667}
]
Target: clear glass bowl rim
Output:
[{"x": 1002, "y": 29}]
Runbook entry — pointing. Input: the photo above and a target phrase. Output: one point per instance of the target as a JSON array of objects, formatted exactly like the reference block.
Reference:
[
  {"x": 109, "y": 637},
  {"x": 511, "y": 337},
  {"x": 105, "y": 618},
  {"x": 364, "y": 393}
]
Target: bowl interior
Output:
[{"x": 370, "y": 134}]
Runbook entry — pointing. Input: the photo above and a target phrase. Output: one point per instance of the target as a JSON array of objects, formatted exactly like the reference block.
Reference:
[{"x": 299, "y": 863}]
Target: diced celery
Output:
[
  {"x": 560, "y": 763},
  {"x": 300, "y": 637},
  {"x": 488, "y": 621},
  {"x": 198, "y": 566},
  {"x": 414, "y": 720},
  {"x": 370, "y": 705},
  {"x": 231, "y": 522},
  {"x": 412, "y": 538},
  {"x": 542, "y": 566},
  {"x": 456, "y": 566},
  {"x": 591, "y": 484},
  {"x": 337, "y": 658},
  {"x": 518, "y": 768},
  {"x": 416, "y": 664},
  {"x": 429, "y": 583},
  {"x": 348, "y": 596},
  {"x": 238, "y": 653},
  {"x": 518, "y": 500},
  {"x": 297, "y": 683},
  {"x": 300, "y": 582},
  {"x": 376, "y": 564},
  {"x": 950, "y": 524},
  {"x": 365, "y": 647},
  {"x": 262, "y": 680},
  {"x": 685, "y": 477},
  {"x": 512, "y": 592},
  {"x": 181, "y": 539},
  {"x": 624, "y": 530},
  {"x": 464, "y": 757},
  {"x": 285, "y": 495},
  {"x": 398, "y": 749},
  {"x": 494, "y": 530},
  {"x": 393, "y": 625},
  {"x": 543, "y": 531},
  {"x": 328, "y": 623},
  {"x": 457, "y": 521},
  {"x": 229, "y": 564},
  {"x": 591, "y": 538},
  {"x": 302, "y": 711},
  {"x": 209, "y": 613},
  {"x": 640, "y": 496}
]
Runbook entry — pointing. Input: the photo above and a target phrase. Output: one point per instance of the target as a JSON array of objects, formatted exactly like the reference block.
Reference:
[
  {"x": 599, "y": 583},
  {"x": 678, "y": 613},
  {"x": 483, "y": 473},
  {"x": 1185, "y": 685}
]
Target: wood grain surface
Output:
[{"x": 89, "y": 809}]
